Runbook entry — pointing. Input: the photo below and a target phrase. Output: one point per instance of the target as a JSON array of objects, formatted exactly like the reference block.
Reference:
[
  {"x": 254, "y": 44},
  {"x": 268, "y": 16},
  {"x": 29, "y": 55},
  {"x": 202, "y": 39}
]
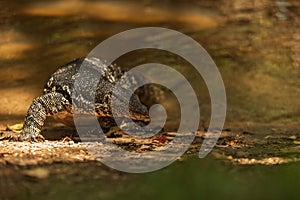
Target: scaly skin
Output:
[
  {"x": 41, "y": 107},
  {"x": 58, "y": 90}
]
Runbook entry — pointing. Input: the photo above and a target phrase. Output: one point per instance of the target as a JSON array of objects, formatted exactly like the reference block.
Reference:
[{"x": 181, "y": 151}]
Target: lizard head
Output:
[{"x": 137, "y": 110}]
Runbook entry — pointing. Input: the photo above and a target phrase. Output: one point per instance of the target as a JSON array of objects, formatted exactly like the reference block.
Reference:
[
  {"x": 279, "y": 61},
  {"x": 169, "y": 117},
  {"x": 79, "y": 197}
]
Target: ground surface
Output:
[{"x": 258, "y": 144}]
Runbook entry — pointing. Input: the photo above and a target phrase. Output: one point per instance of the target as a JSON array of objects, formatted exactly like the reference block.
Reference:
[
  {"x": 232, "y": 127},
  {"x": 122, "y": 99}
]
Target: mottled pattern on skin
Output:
[{"x": 57, "y": 98}]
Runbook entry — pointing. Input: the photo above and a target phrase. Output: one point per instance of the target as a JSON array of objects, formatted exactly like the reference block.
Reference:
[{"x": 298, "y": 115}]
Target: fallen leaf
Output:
[
  {"x": 17, "y": 128},
  {"x": 161, "y": 139}
]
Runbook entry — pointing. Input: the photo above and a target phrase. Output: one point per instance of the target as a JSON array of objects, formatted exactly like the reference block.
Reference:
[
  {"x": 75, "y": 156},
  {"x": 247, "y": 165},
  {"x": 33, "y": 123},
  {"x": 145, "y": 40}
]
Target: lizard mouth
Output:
[
  {"x": 137, "y": 110},
  {"x": 140, "y": 117}
]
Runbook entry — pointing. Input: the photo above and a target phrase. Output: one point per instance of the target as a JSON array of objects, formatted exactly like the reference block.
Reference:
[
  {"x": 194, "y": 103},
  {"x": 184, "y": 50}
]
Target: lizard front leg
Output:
[{"x": 41, "y": 107}]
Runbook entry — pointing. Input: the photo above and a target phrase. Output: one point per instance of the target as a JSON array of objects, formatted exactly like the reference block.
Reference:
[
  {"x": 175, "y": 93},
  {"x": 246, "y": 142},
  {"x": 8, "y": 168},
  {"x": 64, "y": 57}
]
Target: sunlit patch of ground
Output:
[
  {"x": 265, "y": 161},
  {"x": 246, "y": 145}
]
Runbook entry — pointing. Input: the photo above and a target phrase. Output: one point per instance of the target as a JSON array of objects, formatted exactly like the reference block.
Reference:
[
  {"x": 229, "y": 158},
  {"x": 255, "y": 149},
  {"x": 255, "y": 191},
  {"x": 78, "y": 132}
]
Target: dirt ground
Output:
[{"x": 254, "y": 144}]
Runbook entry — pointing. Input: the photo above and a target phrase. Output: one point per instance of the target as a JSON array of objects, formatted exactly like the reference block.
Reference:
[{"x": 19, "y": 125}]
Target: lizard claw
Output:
[
  {"x": 22, "y": 138},
  {"x": 31, "y": 138},
  {"x": 9, "y": 138}
]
